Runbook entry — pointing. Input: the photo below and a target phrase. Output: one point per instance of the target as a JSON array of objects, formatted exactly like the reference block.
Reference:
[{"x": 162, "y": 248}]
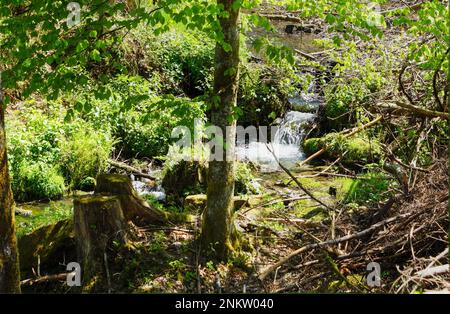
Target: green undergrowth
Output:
[{"x": 49, "y": 155}]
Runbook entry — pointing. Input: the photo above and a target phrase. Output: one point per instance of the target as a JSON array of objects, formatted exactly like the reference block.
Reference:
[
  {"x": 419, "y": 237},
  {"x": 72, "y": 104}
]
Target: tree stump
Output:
[
  {"x": 134, "y": 207},
  {"x": 98, "y": 222}
]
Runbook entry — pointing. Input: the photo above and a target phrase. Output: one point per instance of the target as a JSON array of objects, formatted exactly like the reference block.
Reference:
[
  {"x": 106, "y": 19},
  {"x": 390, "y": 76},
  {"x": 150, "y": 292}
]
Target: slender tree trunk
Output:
[
  {"x": 9, "y": 260},
  {"x": 218, "y": 226}
]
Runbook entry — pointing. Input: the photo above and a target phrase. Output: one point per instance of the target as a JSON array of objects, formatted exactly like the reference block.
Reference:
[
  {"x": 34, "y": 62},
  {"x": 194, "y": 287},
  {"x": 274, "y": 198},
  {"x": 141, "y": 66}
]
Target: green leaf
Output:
[
  {"x": 78, "y": 107},
  {"x": 82, "y": 45},
  {"x": 95, "y": 55}
]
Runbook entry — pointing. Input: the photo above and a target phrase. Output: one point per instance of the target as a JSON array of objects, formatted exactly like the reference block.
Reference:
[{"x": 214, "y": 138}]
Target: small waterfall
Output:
[
  {"x": 286, "y": 143},
  {"x": 291, "y": 130},
  {"x": 287, "y": 140}
]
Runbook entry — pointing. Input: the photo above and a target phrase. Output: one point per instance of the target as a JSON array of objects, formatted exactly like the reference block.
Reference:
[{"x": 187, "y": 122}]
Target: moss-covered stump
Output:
[
  {"x": 185, "y": 176},
  {"x": 134, "y": 207},
  {"x": 48, "y": 245},
  {"x": 98, "y": 224},
  {"x": 189, "y": 177}
]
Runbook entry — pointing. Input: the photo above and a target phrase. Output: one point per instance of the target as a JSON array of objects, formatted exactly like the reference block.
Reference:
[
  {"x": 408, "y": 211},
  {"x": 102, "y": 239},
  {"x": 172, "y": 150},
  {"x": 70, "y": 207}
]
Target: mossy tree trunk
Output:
[
  {"x": 218, "y": 226},
  {"x": 9, "y": 260}
]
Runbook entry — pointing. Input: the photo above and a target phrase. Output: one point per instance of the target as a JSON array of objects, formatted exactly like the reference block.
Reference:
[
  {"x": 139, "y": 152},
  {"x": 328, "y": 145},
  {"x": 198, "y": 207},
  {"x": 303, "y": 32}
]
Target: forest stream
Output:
[{"x": 347, "y": 191}]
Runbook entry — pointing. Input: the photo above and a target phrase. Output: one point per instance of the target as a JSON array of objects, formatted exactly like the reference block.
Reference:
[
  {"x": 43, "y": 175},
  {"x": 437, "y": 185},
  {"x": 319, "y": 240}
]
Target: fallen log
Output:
[
  {"x": 130, "y": 169},
  {"x": 23, "y": 212},
  {"x": 285, "y": 18},
  {"x": 311, "y": 246}
]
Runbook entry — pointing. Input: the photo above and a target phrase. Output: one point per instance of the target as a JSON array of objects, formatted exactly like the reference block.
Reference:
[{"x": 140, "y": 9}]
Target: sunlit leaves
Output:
[{"x": 95, "y": 55}]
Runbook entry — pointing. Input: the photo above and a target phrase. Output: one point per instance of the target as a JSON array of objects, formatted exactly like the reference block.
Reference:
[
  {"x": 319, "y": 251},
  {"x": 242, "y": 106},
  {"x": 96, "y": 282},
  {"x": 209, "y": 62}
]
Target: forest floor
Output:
[
  {"x": 166, "y": 259},
  {"x": 283, "y": 220}
]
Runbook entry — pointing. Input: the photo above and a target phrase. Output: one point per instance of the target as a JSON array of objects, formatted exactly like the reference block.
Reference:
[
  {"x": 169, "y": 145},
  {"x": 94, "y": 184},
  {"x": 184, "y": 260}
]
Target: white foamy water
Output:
[{"x": 286, "y": 144}]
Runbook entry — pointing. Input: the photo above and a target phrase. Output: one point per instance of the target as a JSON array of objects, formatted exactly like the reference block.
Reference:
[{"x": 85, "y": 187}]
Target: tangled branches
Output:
[{"x": 400, "y": 237}]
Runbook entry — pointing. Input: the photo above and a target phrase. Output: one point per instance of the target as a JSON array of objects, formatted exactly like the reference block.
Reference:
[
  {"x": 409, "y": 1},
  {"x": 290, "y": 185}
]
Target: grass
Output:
[
  {"x": 56, "y": 211},
  {"x": 370, "y": 188},
  {"x": 308, "y": 209}
]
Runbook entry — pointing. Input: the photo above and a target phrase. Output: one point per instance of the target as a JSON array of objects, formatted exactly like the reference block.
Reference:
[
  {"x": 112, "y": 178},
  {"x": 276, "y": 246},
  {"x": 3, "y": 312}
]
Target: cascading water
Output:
[{"x": 286, "y": 143}]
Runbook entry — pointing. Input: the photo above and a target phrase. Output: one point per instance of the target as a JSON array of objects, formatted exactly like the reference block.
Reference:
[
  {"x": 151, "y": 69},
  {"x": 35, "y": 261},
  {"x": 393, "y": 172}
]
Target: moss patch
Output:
[{"x": 359, "y": 149}]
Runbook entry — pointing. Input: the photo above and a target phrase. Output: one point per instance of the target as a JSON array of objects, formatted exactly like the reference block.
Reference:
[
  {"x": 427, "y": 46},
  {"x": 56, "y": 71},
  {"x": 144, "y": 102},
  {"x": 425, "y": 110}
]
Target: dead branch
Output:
[
  {"x": 130, "y": 169},
  {"x": 298, "y": 182},
  {"x": 48, "y": 278},
  {"x": 304, "y": 54},
  {"x": 421, "y": 112},
  {"x": 435, "y": 76},
  {"x": 432, "y": 271}
]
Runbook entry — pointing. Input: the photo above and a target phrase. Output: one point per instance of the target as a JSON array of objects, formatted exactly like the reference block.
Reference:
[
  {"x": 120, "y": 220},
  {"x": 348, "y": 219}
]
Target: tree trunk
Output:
[
  {"x": 9, "y": 259},
  {"x": 218, "y": 226},
  {"x": 98, "y": 222}
]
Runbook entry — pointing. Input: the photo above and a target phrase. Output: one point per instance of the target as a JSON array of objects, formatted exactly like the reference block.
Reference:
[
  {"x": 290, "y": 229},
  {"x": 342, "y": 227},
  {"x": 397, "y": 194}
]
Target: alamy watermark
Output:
[
  {"x": 373, "y": 278},
  {"x": 74, "y": 277},
  {"x": 221, "y": 144},
  {"x": 74, "y": 17}
]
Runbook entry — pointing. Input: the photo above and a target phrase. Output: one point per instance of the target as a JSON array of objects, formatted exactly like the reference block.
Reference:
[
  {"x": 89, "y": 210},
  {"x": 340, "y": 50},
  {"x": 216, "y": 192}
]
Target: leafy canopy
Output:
[{"x": 40, "y": 52}]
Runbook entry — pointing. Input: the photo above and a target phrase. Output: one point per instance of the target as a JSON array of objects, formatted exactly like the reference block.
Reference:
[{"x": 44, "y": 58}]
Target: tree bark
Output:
[
  {"x": 9, "y": 259},
  {"x": 218, "y": 227}
]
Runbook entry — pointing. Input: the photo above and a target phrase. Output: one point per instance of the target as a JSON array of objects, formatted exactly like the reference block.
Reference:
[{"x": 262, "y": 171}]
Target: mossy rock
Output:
[
  {"x": 87, "y": 184},
  {"x": 51, "y": 243}
]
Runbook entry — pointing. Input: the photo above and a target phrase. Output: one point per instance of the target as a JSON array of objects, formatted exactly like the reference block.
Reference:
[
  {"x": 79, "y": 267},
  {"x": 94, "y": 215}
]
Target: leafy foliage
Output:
[
  {"x": 369, "y": 189},
  {"x": 84, "y": 155},
  {"x": 46, "y": 152},
  {"x": 37, "y": 181}
]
